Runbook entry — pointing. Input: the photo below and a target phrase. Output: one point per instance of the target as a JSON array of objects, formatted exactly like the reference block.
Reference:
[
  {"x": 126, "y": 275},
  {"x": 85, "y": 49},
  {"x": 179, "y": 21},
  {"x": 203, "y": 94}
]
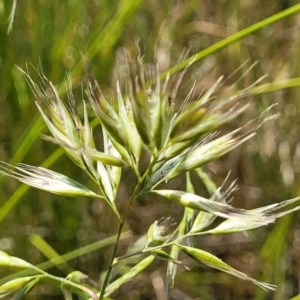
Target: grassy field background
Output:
[{"x": 62, "y": 36}]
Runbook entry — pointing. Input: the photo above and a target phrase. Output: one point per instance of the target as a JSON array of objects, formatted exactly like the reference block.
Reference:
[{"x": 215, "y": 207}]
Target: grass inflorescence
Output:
[{"x": 142, "y": 121}]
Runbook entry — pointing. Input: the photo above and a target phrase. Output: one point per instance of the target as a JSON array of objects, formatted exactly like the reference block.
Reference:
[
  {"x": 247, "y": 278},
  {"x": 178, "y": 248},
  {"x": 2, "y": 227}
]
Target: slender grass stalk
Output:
[
  {"x": 233, "y": 39},
  {"x": 116, "y": 245}
]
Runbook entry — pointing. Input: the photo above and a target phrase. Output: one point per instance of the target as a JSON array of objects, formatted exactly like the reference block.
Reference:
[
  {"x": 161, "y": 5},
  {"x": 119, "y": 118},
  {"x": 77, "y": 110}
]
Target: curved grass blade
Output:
[{"x": 233, "y": 39}]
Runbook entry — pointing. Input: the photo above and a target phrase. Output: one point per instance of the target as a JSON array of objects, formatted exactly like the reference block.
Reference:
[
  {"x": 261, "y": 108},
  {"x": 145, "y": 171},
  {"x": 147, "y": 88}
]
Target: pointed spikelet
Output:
[
  {"x": 127, "y": 121},
  {"x": 106, "y": 114},
  {"x": 138, "y": 95},
  {"x": 47, "y": 180},
  {"x": 212, "y": 261}
]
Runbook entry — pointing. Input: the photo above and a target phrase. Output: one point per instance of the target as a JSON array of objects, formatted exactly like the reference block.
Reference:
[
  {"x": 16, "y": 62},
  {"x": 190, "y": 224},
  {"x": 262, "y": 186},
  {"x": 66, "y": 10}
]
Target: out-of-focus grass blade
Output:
[
  {"x": 50, "y": 253},
  {"x": 11, "y": 16},
  {"x": 27, "y": 139},
  {"x": 209, "y": 184},
  {"x": 104, "y": 41},
  {"x": 233, "y": 39},
  {"x": 276, "y": 86},
  {"x": 272, "y": 254},
  {"x": 20, "y": 84}
]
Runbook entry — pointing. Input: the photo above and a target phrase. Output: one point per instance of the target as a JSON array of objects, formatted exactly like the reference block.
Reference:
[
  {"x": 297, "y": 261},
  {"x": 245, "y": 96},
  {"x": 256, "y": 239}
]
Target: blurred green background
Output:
[{"x": 62, "y": 36}]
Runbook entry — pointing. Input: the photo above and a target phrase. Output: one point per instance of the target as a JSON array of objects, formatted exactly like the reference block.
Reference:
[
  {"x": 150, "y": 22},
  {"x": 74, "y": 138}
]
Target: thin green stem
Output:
[
  {"x": 121, "y": 225},
  {"x": 165, "y": 244},
  {"x": 117, "y": 259},
  {"x": 122, "y": 222},
  {"x": 110, "y": 266}
]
